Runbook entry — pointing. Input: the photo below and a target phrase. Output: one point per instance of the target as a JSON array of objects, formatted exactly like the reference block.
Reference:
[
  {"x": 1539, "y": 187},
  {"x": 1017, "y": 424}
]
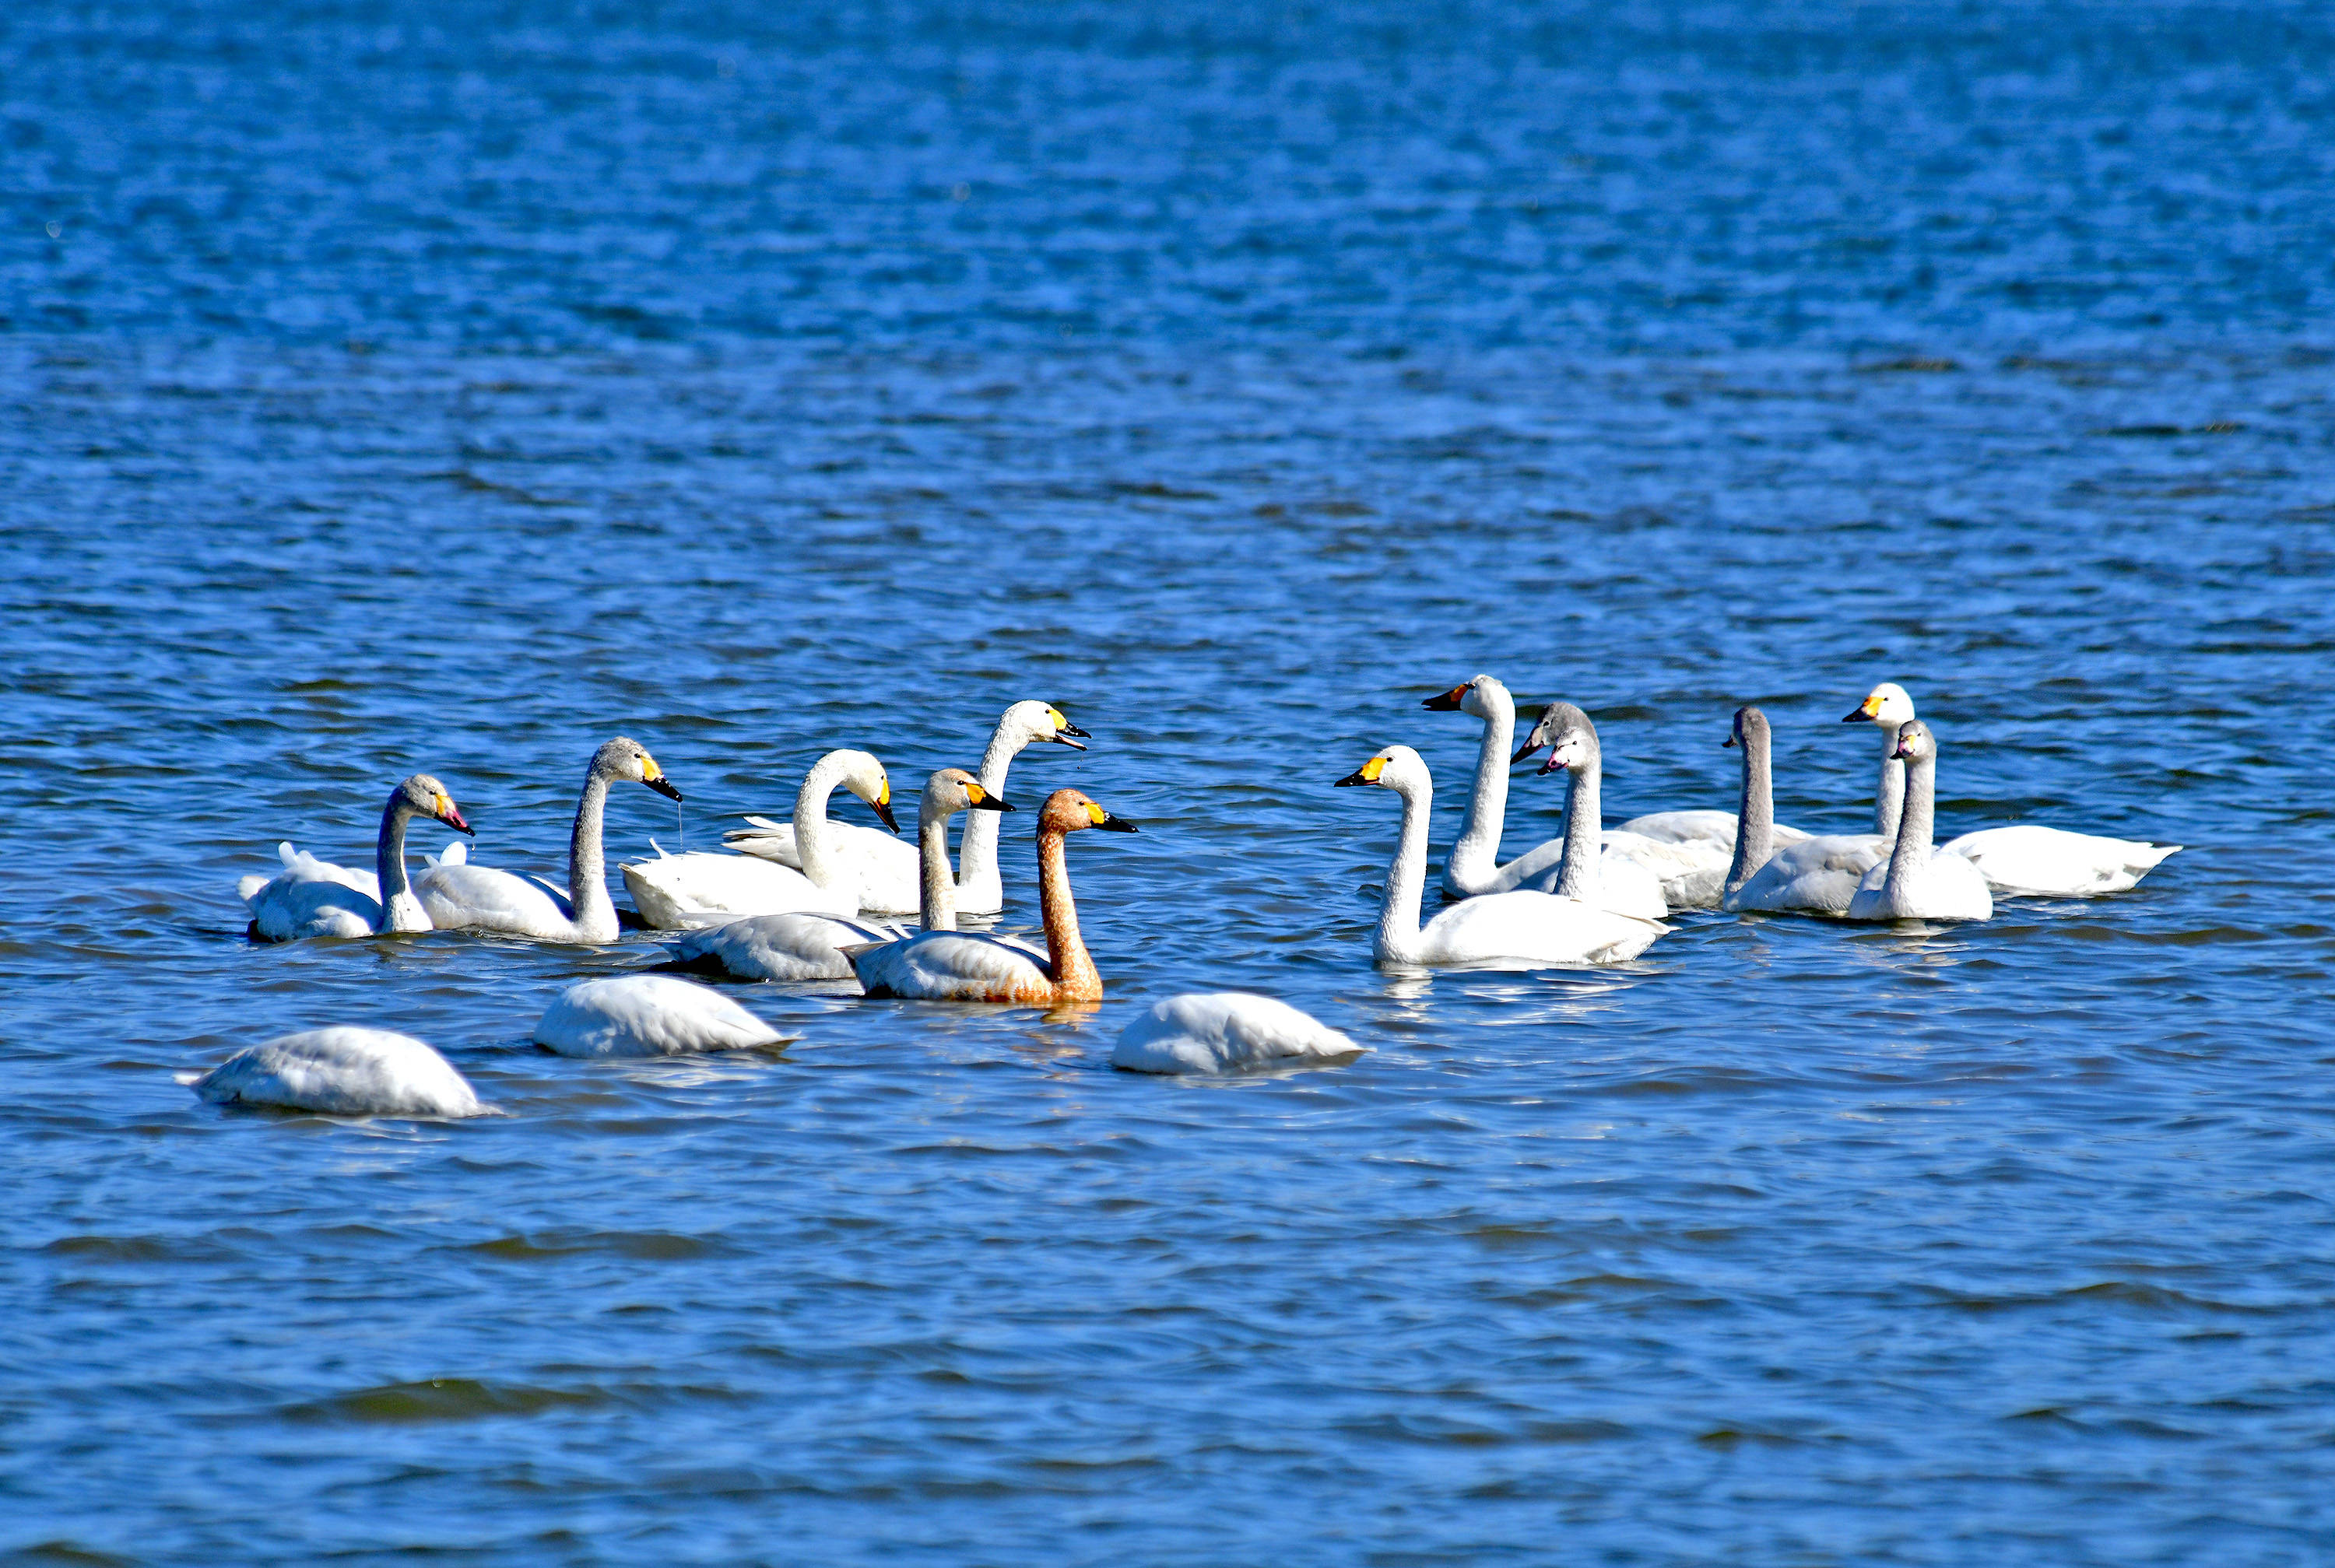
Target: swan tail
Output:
[{"x": 287, "y": 854}]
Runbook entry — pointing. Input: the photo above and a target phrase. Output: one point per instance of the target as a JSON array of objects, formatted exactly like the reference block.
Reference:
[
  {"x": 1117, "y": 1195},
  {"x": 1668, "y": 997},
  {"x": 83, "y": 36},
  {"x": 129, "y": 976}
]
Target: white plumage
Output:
[
  {"x": 1226, "y": 1031},
  {"x": 784, "y": 947},
  {"x": 343, "y": 1071},
  {"x": 647, "y": 1015},
  {"x": 2029, "y": 860}
]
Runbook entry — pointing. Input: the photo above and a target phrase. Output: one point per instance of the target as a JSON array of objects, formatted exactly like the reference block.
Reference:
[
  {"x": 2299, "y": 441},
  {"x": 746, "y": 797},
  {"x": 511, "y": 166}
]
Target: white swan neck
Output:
[
  {"x": 1889, "y": 802},
  {"x": 976, "y": 849},
  {"x": 1755, "y": 811},
  {"x": 1915, "y": 826},
  {"x": 1398, "y": 934},
  {"x": 1475, "y": 859},
  {"x": 812, "y": 846},
  {"x": 587, "y": 874},
  {"x": 1583, "y": 818},
  {"x": 936, "y": 888}
]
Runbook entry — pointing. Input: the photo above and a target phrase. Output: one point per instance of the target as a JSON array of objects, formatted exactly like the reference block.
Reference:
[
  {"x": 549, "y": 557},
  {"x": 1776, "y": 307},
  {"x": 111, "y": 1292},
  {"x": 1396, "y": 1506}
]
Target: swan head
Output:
[
  {"x": 1751, "y": 724},
  {"x": 427, "y": 798},
  {"x": 1067, "y": 811},
  {"x": 955, "y": 790},
  {"x": 1396, "y": 768},
  {"x": 1886, "y": 705},
  {"x": 865, "y": 777},
  {"x": 1914, "y": 741},
  {"x": 1566, "y": 730},
  {"x": 626, "y": 758},
  {"x": 1041, "y": 721},
  {"x": 1482, "y": 698}
]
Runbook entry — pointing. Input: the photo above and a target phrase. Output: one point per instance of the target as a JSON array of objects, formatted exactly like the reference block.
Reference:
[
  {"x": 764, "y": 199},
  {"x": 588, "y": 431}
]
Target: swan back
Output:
[
  {"x": 1226, "y": 1031},
  {"x": 634, "y": 1015},
  {"x": 343, "y": 1071}
]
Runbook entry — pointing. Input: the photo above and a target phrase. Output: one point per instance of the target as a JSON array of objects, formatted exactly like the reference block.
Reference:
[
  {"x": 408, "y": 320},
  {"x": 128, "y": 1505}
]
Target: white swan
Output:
[
  {"x": 1519, "y": 928},
  {"x": 1918, "y": 881},
  {"x": 1222, "y": 1031},
  {"x": 647, "y": 1015},
  {"x": 944, "y": 964},
  {"x": 1818, "y": 875},
  {"x": 342, "y": 1071},
  {"x": 313, "y": 897},
  {"x": 2025, "y": 859},
  {"x": 835, "y": 879},
  {"x": 783, "y": 947},
  {"x": 894, "y": 890},
  {"x": 460, "y": 895},
  {"x": 1622, "y": 872},
  {"x": 1887, "y": 708}
]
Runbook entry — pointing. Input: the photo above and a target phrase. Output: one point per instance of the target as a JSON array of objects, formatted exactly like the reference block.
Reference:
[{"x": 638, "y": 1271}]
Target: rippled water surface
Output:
[{"x": 453, "y": 386}]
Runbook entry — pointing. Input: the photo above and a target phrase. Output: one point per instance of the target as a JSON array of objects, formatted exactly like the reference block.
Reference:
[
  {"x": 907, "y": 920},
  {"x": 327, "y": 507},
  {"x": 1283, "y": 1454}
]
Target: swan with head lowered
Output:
[
  {"x": 892, "y": 876},
  {"x": 313, "y": 897},
  {"x": 1227, "y": 1031},
  {"x": 1519, "y": 928},
  {"x": 342, "y": 1071},
  {"x": 647, "y": 1015},
  {"x": 461, "y": 895},
  {"x": 1919, "y": 881},
  {"x": 1685, "y": 851},
  {"x": 1817, "y": 874},
  {"x": 2025, "y": 859},
  {"x": 942, "y": 964},
  {"x": 804, "y": 946},
  {"x": 674, "y": 890}
]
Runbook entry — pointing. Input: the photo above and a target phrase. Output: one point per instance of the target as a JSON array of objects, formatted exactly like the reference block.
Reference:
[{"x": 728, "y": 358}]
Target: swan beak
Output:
[
  {"x": 1861, "y": 713},
  {"x": 980, "y": 799},
  {"x": 1529, "y": 747},
  {"x": 883, "y": 809},
  {"x": 1069, "y": 734},
  {"x": 1446, "y": 701},
  {"x": 1111, "y": 824},
  {"x": 1729, "y": 742},
  {"x": 453, "y": 817},
  {"x": 663, "y": 787},
  {"x": 1551, "y": 766}
]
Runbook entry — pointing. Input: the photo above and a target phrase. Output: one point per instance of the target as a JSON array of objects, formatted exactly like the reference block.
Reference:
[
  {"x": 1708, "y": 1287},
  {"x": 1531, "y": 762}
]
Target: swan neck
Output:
[
  {"x": 1075, "y": 979},
  {"x": 1755, "y": 812},
  {"x": 587, "y": 874},
  {"x": 1914, "y": 826},
  {"x": 1583, "y": 816},
  {"x": 1398, "y": 936},
  {"x": 1476, "y": 854},
  {"x": 1890, "y": 801},
  {"x": 976, "y": 849},
  {"x": 812, "y": 846},
  {"x": 936, "y": 889},
  {"x": 389, "y": 860}
]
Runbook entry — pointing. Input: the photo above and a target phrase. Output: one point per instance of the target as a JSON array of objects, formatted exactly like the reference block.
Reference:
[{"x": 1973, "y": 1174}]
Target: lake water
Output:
[{"x": 453, "y": 386}]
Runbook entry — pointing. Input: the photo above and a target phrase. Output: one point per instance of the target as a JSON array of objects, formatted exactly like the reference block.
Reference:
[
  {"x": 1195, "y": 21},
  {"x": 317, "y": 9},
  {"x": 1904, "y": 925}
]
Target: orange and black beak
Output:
[
  {"x": 883, "y": 809},
  {"x": 1446, "y": 701},
  {"x": 1859, "y": 714},
  {"x": 989, "y": 802},
  {"x": 663, "y": 787}
]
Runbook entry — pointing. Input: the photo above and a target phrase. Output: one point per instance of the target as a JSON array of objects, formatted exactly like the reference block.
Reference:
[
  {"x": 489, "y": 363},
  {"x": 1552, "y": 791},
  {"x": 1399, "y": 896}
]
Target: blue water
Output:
[{"x": 453, "y": 386}]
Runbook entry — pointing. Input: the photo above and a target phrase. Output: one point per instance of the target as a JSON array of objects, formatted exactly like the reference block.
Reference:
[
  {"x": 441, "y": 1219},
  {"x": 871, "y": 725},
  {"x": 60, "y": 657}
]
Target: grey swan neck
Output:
[
  {"x": 1475, "y": 859},
  {"x": 1398, "y": 933},
  {"x": 1889, "y": 802},
  {"x": 976, "y": 849},
  {"x": 1755, "y": 812},
  {"x": 588, "y": 904},
  {"x": 1914, "y": 826},
  {"x": 811, "y": 845},
  {"x": 400, "y": 910},
  {"x": 1583, "y": 816},
  {"x": 936, "y": 888}
]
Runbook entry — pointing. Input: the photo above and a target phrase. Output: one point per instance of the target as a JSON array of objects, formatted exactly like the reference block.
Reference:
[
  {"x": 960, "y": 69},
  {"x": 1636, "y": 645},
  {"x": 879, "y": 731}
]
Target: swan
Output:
[
  {"x": 342, "y": 1071},
  {"x": 1519, "y": 927},
  {"x": 1222, "y": 1031},
  {"x": 894, "y": 890},
  {"x": 1816, "y": 873},
  {"x": 313, "y": 897},
  {"x": 1887, "y": 708},
  {"x": 1624, "y": 873},
  {"x": 942, "y": 964},
  {"x": 647, "y": 1015},
  {"x": 461, "y": 896},
  {"x": 832, "y": 881},
  {"x": 785, "y": 947},
  {"x": 1918, "y": 881},
  {"x": 2025, "y": 859}
]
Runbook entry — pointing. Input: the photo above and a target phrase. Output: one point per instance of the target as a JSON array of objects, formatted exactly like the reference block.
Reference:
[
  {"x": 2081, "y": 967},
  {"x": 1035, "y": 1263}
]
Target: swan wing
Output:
[
  {"x": 1685, "y": 827},
  {"x": 766, "y": 840},
  {"x": 1944, "y": 887},
  {"x": 2031, "y": 860},
  {"x": 1535, "y": 928},
  {"x": 954, "y": 966},
  {"x": 466, "y": 897},
  {"x": 666, "y": 891},
  {"x": 782, "y": 946},
  {"x": 293, "y": 908},
  {"x": 1624, "y": 886},
  {"x": 1818, "y": 875},
  {"x": 343, "y": 1071},
  {"x": 647, "y": 1015},
  {"x": 1226, "y": 1031}
]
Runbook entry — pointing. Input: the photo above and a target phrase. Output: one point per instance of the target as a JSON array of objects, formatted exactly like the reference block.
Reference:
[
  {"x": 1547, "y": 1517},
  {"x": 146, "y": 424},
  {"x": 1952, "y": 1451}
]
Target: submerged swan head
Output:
[
  {"x": 865, "y": 777},
  {"x": 1396, "y": 768},
  {"x": 1067, "y": 811},
  {"x": 1751, "y": 724},
  {"x": 1886, "y": 705},
  {"x": 1040, "y": 722},
  {"x": 428, "y": 797},
  {"x": 1479, "y": 698},
  {"x": 626, "y": 758},
  {"x": 1914, "y": 741},
  {"x": 954, "y": 789}
]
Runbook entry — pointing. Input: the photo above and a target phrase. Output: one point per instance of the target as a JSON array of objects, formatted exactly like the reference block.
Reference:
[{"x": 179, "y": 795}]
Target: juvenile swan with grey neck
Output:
[
  {"x": 470, "y": 897},
  {"x": 1815, "y": 875},
  {"x": 1585, "y": 869},
  {"x": 1918, "y": 881},
  {"x": 313, "y": 897}
]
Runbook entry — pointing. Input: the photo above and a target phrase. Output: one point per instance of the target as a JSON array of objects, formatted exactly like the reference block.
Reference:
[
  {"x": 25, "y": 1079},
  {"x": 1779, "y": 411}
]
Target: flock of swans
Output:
[{"x": 808, "y": 899}]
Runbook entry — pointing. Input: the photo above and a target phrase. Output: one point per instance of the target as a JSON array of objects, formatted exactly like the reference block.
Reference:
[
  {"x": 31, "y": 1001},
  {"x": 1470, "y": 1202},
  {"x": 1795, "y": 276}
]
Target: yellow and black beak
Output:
[
  {"x": 883, "y": 809},
  {"x": 980, "y": 799},
  {"x": 1106, "y": 822},
  {"x": 1446, "y": 701},
  {"x": 1073, "y": 737},
  {"x": 1368, "y": 773},
  {"x": 1860, "y": 714}
]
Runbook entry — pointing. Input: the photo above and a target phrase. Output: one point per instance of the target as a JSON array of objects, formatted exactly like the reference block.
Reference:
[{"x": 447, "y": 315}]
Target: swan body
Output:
[
  {"x": 461, "y": 895},
  {"x": 312, "y": 897},
  {"x": 892, "y": 880},
  {"x": 2029, "y": 860},
  {"x": 1700, "y": 825},
  {"x": 836, "y": 875},
  {"x": 1918, "y": 881},
  {"x": 1226, "y": 1031},
  {"x": 647, "y": 1015},
  {"x": 1816, "y": 875},
  {"x": 343, "y": 1071},
  {"x": 942, "y": 964},
  {"x": 1518, "y": 929},
  {"x": 784, "y": 947}
]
